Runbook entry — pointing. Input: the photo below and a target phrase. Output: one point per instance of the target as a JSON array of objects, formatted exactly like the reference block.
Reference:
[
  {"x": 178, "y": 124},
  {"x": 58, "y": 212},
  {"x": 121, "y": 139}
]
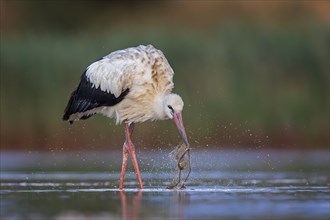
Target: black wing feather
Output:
[{"x": 87, "y": 97}]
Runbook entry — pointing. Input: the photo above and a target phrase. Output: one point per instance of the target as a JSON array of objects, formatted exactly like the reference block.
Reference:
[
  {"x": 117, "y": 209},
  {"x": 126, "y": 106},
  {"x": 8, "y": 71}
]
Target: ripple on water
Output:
[{"x": 222, "y": 185}]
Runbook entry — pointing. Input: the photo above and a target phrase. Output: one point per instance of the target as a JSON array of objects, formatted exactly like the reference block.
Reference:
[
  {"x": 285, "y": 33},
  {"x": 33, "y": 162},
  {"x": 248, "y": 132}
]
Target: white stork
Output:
[{"x": 131, "y": 85}]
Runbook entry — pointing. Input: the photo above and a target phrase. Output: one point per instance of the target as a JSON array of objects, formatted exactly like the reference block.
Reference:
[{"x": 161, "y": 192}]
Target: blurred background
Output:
[{"x": 252, "y": 74}]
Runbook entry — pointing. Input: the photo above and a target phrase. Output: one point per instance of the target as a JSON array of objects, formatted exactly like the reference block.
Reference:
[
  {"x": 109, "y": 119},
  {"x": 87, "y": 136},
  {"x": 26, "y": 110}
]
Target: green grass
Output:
[{"x": 273, "y": 79}]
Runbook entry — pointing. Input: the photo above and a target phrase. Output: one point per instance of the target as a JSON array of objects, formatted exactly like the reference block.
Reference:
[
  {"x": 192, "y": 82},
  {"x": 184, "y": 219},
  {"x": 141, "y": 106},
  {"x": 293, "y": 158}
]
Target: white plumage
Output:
[{"x": 131, "y": 85}]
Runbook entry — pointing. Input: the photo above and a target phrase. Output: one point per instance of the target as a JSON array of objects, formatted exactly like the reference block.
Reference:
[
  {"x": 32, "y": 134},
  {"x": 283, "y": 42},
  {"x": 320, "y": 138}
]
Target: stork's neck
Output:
[{"x": 158, "y": 106}]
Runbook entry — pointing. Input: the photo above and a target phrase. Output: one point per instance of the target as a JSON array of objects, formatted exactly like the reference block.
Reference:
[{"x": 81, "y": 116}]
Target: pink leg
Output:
[
  {"x": 123, "y": 167},
  {"x": 128, "y": 148},
  {"x": 136, "y": 167}
]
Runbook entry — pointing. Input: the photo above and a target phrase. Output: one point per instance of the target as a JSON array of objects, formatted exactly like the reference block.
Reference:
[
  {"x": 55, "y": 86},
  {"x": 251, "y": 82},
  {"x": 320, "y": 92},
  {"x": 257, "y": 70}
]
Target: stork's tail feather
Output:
[
  {"x": 77, "y": 105},
  {"x": 67, "y": 111}
]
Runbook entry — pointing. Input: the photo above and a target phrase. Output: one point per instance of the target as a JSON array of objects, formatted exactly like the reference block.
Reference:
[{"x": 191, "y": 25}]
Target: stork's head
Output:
[{"x": 173, "y": 106}]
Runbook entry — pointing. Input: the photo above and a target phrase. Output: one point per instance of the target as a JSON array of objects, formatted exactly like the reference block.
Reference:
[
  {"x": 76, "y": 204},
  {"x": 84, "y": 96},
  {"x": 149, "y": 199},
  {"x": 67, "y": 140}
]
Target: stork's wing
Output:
[
  {"x": 87, "y": 97},
  {"x": 132, "y": 68}
]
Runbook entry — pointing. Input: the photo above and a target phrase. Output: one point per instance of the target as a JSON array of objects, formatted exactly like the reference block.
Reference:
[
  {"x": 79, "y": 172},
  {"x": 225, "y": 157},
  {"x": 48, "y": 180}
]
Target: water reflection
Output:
[
  {"x": 130, "y": 209},
  {"x": 179, "y": 202},
  {"x": 170, "y": 205},
  {"x": 246, "y": 190}
]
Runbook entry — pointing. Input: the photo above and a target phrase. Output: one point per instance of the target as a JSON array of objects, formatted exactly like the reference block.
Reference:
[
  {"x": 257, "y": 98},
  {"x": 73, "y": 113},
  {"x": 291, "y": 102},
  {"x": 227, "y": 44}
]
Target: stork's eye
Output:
[{"x": 170, "y": 107}]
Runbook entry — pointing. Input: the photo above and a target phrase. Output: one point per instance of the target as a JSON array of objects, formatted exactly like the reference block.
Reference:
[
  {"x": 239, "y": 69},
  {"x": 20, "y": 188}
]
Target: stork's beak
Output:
[{"x": 177, "y": 118}]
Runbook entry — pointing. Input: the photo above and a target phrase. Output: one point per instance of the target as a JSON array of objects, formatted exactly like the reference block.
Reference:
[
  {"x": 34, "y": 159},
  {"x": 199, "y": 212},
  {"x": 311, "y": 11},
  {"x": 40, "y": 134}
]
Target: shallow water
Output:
[{"x": 235, "y": 184}]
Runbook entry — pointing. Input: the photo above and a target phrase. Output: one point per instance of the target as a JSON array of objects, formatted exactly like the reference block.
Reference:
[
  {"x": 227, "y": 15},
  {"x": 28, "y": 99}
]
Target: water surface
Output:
[{"x": 225, "y": 184}]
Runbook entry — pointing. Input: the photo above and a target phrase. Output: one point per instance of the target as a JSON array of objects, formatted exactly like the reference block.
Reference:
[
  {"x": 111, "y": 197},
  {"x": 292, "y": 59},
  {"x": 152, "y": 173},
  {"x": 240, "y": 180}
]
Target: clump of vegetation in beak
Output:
[{"x": 181, "y": 154}]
